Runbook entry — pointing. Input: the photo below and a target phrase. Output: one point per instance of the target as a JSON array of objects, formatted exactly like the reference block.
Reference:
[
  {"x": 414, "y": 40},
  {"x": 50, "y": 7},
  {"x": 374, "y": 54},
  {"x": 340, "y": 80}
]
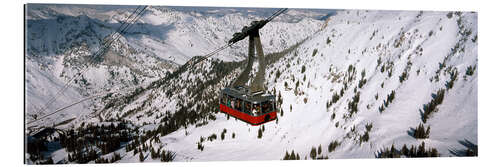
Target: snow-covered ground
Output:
[
  {"x": 309, "y": 124},
  {"x": 62, "y": 38},
  {"x": 339, "y": 53}
]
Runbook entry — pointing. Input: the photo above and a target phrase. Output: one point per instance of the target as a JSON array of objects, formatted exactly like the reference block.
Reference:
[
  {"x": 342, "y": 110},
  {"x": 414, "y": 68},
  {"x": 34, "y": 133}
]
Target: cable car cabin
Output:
[{"x": 254, "y": 109}]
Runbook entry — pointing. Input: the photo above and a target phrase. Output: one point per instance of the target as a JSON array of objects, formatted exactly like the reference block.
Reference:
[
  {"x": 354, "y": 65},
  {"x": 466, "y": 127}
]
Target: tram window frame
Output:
[
  {"x": 249, "y": 109},
  {"x": 223, "y": 99},
  {"x": 258, "y": 109},
  {"x": 231, "y": 100},
  {"x": 253, "y": 108},
  {"x": 261, "y": 109},
  {"x": 268, "y": 108},
  {"x": 238, "y": 106}
]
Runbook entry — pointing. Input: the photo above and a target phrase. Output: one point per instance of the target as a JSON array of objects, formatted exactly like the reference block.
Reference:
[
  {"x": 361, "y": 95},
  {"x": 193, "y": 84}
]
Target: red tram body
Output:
[
  {"x": 254, "y": 105},
  {"x": 254, "y": 109}
]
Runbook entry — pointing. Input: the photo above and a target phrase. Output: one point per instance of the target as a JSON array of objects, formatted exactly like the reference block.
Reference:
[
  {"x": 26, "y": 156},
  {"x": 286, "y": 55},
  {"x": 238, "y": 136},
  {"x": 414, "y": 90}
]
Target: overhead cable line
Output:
[
  {"x": 97, "y": 54},
  {"x": 123, "y": 90},
  {"x": 280, "y": 11}
]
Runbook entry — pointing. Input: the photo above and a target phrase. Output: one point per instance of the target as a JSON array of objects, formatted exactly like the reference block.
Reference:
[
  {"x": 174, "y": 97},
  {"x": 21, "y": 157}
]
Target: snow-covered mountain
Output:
[
  {"x": 61, "y": 39},
  {"x": 351, "y": 85}
]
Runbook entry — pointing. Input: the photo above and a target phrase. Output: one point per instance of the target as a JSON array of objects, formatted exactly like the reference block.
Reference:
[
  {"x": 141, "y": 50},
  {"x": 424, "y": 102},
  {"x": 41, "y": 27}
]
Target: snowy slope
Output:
[
  {"x": 61, "y": 40},
  {"x": 309, "y": 124},
  {"x": 355, "y": 54}
]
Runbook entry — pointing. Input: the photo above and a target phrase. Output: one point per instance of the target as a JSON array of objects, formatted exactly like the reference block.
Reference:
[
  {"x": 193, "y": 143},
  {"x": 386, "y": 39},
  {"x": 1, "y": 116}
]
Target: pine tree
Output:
[
  {"x": 413, "y": 151},
  {"x": 292, "y": 155},
  {"x": 404, "y": 150},
  {"x": 116, "y": 157},
  {"x": 393, "y": 151},
  {"x": 428, "y": 131},
  {"x": 141, "y": 157},
  {"x": 278, "y": 73},
  {"x": 365, "y": 137},
  {"x": 332, "y": 146},
  {"x": 153, "y": 153},
  {"x": 434, "y": 152},
  {"x": 163, "y": 156},
  {"x": 313, "y": 153},
  {"x": 420, "y": 132},
  {"x": 287, "y": 156},
  {"x": 259, "y": 135},
  {"x": 421, "y": 150},
  {"x": 69, "y": 157},
  {"x": 200, "y": 146}
]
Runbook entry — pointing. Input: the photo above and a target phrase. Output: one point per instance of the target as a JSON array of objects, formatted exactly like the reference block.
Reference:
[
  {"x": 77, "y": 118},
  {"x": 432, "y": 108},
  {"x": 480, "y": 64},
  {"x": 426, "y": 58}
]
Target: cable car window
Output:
[
  {"x": 248, "y": 107},
  {"x": 223, "y": 99},
  {"x": 230, "y": 102},
  {"x": 266, "y": 107},
  {"x": 239, "y": 104},
  {"x": 256, "y": 109},
  {"x": 227, "y": 101}
]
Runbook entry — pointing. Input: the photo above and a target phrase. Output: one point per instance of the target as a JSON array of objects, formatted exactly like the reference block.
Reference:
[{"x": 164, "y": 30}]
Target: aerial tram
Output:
[{"x": 250, "y": 103}]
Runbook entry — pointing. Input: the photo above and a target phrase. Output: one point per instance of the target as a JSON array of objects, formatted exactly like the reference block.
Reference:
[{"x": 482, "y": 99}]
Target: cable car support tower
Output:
[{"x": 254, "y": 44}]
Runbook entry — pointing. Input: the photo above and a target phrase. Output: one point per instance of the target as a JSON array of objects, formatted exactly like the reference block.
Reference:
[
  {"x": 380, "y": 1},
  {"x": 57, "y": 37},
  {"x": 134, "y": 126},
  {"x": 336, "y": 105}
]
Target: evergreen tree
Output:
[
  {"x": 141, "y": 157},
  {"x": 259, "y": 135},
  {"x": 116, "y": 157},
  {"x": 167, "y": 156},
  {"x": 163, "y": 156},
  {"x": 69, "y": 157},
  {"x": 434, "y": 152},
  {"x": 153, "y": 153},
  {"x": 420, "y": 132},
  {"x": 421, "y": 150},
  {"x": 287, "y": 156},
  {"x": 405, "y": 150},
  {"x": 292, "y": 155},
  {"x": 313, "y": 153},
  {"x": 428, "y": 131},
  {"x": 393, "y": 151}
]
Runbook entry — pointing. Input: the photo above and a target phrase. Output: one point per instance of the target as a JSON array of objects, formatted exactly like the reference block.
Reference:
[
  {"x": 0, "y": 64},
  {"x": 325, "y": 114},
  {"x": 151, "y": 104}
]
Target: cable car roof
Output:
[{"x": 241, "y": 93}]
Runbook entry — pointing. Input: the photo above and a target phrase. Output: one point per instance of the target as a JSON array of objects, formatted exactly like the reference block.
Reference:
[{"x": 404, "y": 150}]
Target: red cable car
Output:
[
  {"x": 250, "y": 104},
  {"x": 254, "y": 109}
]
